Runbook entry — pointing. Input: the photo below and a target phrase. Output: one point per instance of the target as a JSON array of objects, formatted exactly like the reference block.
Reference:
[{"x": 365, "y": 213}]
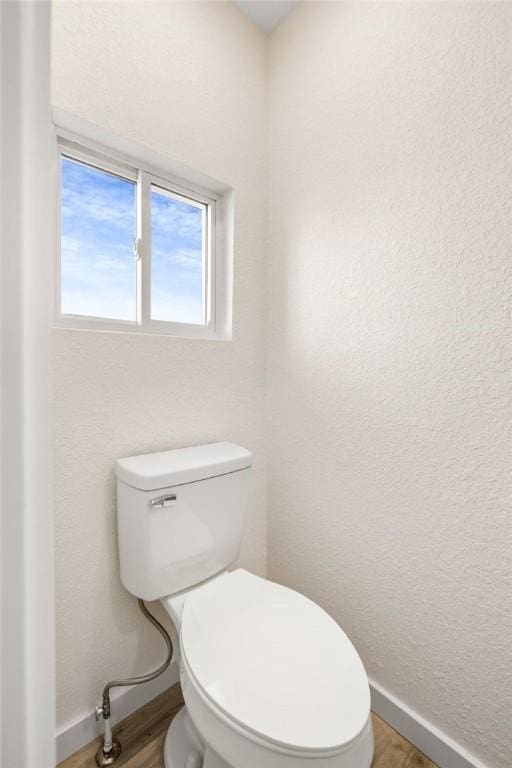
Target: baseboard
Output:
[
  {"x": 435, "y": 744},
  {"x": 79, "y": 732},
  {"x": 442, "y": 750}
]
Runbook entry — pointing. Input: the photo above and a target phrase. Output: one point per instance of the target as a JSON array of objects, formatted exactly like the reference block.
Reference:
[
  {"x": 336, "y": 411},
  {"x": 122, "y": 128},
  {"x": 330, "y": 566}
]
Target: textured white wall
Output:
[
  {"x": 390, "y": 349},
  {"x": 187, "y": 80},
  {"x": 389, "y": 359}
]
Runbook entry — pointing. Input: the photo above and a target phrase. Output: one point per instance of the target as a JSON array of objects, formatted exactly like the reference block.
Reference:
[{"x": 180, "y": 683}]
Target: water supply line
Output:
[{"x": 111, "y": 749}]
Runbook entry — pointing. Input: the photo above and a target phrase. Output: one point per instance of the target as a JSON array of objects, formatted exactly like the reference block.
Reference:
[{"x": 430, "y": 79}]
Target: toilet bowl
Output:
[{"x": 269, "y": 679}]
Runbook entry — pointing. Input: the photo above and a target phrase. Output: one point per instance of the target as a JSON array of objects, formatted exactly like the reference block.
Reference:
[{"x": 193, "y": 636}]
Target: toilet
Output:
[{"x": 269, "y": 679}]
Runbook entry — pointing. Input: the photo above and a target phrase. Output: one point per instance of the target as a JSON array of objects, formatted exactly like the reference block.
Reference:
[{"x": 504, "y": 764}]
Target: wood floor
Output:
[{"x": 142, "y": 737}]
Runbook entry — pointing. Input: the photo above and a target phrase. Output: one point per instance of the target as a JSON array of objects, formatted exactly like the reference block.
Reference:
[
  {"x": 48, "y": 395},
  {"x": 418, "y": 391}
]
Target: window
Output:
[
  {"x": 137, "y": 247},
  {"x": 178, "y": 257},
  {"x": 98, "y": 231}
]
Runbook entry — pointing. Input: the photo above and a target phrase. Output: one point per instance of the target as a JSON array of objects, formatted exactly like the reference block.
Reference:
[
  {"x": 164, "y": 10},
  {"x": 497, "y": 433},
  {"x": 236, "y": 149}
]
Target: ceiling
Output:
[{"x": 267, "y": 14}]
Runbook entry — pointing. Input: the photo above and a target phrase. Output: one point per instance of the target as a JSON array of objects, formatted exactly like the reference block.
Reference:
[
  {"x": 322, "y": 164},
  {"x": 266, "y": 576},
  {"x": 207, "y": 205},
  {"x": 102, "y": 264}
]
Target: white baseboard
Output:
[
  {"x": 435, "y": 744},
  {"x": 426, "y": 737},
  {"x": 79, "y": 732}
]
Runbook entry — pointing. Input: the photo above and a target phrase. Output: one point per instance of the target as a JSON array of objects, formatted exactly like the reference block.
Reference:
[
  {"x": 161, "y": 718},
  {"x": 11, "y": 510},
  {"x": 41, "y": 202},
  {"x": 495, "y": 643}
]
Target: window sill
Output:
[{"x": 149, "y": 328}]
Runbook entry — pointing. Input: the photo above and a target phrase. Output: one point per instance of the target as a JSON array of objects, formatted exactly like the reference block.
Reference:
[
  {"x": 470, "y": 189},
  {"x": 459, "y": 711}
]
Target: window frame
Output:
[{"x": 145, "y": 177}]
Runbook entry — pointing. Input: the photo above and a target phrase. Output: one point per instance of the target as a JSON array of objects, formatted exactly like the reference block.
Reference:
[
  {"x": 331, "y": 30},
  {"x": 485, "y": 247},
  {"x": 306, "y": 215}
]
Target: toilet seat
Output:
[{"x": 273, "y": 666}]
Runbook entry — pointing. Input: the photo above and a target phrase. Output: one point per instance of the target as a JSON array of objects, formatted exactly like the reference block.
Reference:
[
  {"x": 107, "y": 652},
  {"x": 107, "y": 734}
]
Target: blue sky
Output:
[
  {"x": 176, "y": 259},
  {"x": 98, "y": 273}
]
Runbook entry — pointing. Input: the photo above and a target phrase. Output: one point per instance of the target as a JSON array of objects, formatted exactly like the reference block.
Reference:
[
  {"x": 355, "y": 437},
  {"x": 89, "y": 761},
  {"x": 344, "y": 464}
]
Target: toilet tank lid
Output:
[{"x": 151, "y": 471}]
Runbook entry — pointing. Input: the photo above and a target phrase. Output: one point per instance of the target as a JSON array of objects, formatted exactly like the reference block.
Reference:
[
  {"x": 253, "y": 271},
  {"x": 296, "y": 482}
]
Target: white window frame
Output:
[{"x": 145, "y": 176}]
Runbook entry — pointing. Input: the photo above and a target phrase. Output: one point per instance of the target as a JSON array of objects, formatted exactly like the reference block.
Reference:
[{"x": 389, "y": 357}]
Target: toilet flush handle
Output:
[{"x": 169, "y": 500}]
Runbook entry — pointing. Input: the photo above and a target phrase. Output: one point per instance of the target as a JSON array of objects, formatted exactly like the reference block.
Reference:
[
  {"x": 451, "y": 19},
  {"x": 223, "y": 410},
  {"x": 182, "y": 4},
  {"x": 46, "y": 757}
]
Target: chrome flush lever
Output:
[{"x": 163, "y": 501}]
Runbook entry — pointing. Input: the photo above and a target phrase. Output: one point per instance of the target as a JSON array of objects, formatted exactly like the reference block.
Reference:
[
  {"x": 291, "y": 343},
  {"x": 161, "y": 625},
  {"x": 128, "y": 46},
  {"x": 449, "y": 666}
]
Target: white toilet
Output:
[{"x": 269, "y": 679}]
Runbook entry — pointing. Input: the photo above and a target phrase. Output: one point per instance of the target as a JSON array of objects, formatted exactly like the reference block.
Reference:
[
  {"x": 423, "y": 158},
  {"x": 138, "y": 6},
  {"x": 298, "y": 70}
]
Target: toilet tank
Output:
[{"x": 180, "y": 516}]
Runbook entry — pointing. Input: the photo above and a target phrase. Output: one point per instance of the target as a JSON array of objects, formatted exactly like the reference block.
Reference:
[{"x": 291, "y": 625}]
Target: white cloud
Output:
[
  {"x": 187, "y": 258},
  {"x": 169, "y": 217},
  {"x": 175, "y": 307},
  {"x": 96, "y": 196}
]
